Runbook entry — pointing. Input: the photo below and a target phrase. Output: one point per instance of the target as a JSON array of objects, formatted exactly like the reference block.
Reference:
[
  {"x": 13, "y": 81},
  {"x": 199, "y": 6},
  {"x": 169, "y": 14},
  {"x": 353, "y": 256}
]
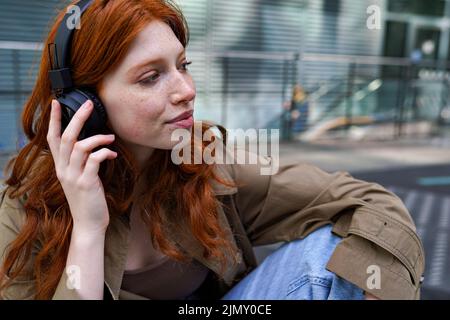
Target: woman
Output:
[
  {"x": 300, "y": 109},
  {"x": 112, "y": 217},
  {"x": 295, "y": 113}
]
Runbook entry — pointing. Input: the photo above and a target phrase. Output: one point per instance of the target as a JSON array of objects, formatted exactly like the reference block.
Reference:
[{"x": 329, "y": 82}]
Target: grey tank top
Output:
[{"x": 166, "y": 279}]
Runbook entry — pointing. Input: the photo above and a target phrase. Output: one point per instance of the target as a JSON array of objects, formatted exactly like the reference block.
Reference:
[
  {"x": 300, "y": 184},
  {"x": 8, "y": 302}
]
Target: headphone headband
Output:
[{"x": 60, "y": 76}]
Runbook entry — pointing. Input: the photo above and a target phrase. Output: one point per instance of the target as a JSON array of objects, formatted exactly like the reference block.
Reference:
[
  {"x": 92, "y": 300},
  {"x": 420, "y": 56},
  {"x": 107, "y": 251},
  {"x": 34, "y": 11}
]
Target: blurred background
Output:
[{"x": 355, "y": 85}]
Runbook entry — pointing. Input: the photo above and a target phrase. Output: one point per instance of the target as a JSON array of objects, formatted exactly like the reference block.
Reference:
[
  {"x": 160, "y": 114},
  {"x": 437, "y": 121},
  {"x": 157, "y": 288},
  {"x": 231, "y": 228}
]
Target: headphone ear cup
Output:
[
  {"x": 67, "y": 113},
  {"x": 98, "y": 105},
  {"x": 96, "y": 123},
  {"x": 72, "y": 101}
]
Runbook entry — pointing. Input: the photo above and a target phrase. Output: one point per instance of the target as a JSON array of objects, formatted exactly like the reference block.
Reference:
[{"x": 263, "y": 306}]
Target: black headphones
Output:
[{"x": 71, "y": 98}]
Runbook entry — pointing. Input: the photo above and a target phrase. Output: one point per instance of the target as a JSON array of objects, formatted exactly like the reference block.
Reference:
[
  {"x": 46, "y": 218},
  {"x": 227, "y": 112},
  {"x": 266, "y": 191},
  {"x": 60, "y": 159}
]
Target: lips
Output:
[{"x": 183, "y": 116}]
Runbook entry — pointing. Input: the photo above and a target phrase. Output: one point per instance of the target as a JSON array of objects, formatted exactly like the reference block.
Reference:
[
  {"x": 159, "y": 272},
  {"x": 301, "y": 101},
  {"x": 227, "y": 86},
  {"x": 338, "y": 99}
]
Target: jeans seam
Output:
[{"x": 314, "y": 280}]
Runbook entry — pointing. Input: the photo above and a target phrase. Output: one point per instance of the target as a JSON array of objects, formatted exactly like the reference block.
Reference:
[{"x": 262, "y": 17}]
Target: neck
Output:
[{"x": 141, "y": 155}]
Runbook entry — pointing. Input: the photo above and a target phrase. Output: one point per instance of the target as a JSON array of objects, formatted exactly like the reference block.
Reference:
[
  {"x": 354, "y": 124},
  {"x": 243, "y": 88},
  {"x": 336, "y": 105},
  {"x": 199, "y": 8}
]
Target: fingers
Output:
[
  {"x": 94, "y": 160},
  {"x": 54, "y": 129},
  {"x": 83, "y": 148},
  {"x": 71, "y": 133},
  {"x": 70, "y": 154}
]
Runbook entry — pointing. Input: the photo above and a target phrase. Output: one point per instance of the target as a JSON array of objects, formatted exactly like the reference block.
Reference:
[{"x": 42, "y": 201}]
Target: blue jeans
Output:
[{"x": 296, "y": 271}]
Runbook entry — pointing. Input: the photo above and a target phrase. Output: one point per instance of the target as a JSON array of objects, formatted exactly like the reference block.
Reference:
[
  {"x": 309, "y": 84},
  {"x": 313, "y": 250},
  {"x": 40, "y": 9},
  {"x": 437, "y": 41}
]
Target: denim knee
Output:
[{"x": 297, "y": 270}]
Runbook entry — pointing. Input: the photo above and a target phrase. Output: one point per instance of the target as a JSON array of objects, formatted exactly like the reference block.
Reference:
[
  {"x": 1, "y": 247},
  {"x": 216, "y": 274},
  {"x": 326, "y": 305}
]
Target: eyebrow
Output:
[{"x": 135, "y": 68}]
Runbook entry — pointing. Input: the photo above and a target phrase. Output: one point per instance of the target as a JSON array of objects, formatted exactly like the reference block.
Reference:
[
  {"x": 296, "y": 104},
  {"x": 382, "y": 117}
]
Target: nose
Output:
[{"x": 183, "y": 89}]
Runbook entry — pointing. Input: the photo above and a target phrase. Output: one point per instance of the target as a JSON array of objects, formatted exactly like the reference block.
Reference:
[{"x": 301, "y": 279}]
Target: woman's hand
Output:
[{"x": 77, "y": 168}]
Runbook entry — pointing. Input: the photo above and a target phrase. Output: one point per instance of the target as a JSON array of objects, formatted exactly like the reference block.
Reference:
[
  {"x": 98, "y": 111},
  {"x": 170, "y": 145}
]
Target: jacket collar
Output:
[{"x": 118, "y": 236}]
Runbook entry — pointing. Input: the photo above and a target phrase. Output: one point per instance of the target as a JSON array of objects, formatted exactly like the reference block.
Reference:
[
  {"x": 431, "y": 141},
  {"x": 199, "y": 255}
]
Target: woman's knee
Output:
[
  {"x": 310, "y": 279},
  {"x": 297, "y": 270}
]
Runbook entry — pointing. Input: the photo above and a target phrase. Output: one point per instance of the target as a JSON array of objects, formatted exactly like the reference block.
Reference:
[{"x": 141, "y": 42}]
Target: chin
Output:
[
  {"x": 171, "y": 145},
  {"x": 164, "y": 145}
]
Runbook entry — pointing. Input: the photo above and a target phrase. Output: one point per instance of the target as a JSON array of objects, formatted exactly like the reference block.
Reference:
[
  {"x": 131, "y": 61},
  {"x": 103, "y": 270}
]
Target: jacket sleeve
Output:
[
  {"x": 376, "y": 228},
  {"x": 12, "y": 218}
]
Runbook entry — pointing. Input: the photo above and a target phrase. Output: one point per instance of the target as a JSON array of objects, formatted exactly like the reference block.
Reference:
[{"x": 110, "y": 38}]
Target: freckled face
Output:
[{"x": 150, "y": 87}]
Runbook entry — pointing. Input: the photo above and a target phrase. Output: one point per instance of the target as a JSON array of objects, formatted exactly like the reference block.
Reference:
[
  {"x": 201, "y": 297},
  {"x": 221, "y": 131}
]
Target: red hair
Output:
[{"x": 108, "y": 27}]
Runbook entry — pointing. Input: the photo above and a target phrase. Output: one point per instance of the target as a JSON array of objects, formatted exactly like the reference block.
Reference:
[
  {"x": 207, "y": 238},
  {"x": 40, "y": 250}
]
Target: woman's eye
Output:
[
  {"x": 185, "y": 64},
  {"x": 154, "y": 77},
  {"x": 150, "y": 79}
]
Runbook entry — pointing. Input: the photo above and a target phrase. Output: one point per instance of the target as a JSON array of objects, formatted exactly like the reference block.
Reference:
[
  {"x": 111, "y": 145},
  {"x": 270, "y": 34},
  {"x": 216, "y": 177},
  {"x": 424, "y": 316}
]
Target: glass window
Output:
[{"x": 421, "y": 7}]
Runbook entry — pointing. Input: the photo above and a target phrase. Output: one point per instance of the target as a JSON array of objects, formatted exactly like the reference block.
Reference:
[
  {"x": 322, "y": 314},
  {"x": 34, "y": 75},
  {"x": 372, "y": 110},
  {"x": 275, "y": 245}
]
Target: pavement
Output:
[{"x": 354, "y": 156}]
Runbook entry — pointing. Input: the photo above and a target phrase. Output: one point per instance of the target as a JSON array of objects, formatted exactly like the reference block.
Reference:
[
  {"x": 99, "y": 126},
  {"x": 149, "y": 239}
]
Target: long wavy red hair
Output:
[{"x": 111, "y": 27}]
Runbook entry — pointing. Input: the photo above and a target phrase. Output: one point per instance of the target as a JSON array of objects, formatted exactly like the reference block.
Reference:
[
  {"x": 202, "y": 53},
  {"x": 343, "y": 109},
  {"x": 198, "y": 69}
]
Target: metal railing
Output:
[{"x": 412, "y": 97}]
